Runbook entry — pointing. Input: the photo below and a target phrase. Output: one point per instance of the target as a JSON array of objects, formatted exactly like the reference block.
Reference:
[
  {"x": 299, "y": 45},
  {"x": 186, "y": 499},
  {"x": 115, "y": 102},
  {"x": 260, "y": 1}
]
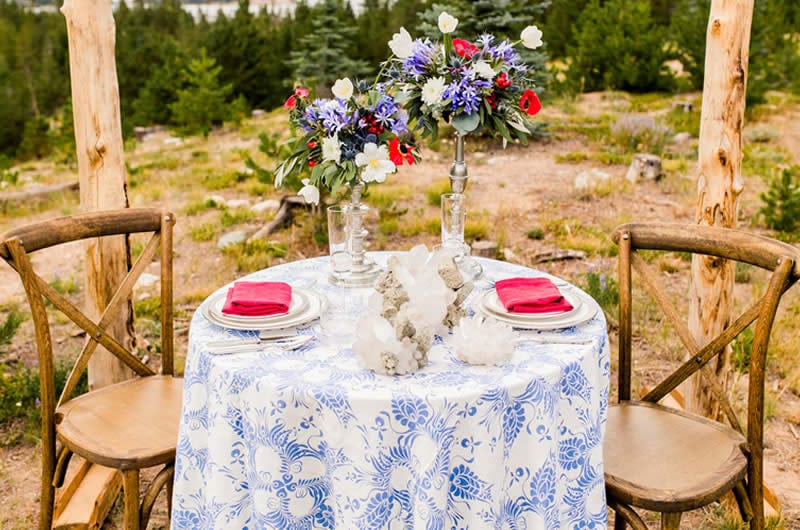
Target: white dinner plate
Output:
[
  {"x": 305, "y": 307},
  {"x": 491, "y": 302},
  {"x": 298, "y": 304},
  {"x": 583, "y": 310}
]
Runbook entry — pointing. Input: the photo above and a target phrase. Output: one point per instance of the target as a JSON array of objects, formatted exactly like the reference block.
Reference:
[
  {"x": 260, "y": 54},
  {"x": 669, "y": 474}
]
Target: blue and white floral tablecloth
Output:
[{"x": 309, "y": 439}]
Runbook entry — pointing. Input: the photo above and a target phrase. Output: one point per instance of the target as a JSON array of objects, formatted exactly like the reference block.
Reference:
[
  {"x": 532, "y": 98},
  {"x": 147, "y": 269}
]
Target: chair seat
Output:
[
  {"x": 129, "y": 425},
  {"x": 667, "y": 460}
]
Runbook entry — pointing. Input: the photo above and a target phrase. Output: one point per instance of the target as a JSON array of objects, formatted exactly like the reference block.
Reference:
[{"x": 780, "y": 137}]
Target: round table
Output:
[{"x": 310, "y": 439}]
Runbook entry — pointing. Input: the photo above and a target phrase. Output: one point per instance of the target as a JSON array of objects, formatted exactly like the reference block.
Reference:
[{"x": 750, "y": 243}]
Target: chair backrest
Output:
[
  {"x": 15, "y": 246},
  {"x": 780, "y": 260}
]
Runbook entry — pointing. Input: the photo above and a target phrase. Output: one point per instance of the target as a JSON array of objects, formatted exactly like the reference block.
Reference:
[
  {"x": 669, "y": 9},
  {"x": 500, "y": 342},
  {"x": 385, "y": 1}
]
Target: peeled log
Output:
[
  {"x": 101, "y": 167},
  {"x": 719, "y": 184}
]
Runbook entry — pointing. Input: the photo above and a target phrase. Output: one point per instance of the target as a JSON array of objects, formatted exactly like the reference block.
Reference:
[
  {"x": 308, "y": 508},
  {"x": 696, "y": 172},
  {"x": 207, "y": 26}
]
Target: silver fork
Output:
[{"x": 222, "y": 347}]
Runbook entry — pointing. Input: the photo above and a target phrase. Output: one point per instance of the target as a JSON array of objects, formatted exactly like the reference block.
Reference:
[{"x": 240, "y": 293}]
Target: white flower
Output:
[
  {"x": 531, "y": 37},
  {"x": 332, "y": 149},
  {"x": 432, "y": 91},
  {"x": 479, "y": 341},
  {"x": 401, "y": 44},
  {"x": 484, "y": 70},
  {"x": 376, "y": 163},
  {"x": 309, "y": 192},
  {"x": 447, "y": 22},
  {"x": 343, "y": 88}
]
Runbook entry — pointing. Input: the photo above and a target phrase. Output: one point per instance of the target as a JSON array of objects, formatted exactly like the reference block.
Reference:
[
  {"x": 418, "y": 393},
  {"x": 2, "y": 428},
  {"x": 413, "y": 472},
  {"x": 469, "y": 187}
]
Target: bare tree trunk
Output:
[
  {"x": 720, "y": 182},
  {"x": 103, "y": 178}
]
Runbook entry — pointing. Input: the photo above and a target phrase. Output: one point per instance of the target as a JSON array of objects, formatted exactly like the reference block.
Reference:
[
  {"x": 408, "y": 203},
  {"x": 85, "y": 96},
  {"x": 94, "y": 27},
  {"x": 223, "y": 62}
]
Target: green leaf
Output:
[{"x": 466, "y": 123}]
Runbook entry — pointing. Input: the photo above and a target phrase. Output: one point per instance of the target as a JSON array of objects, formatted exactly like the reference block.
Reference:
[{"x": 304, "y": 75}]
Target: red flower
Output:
[
  {"x": 398, "y": 152},
  {"x": 502, "y": 81},
  {"x": 312, "y": 144},
  {"x": 312, "y": 163},
  {"x": 464, "y": 48},
  {"x": 290, "y": 103},
  {"x": 492, "y": 101},
  {"x": 529, "y": 102},
  {"x": 301, "y": 92}
]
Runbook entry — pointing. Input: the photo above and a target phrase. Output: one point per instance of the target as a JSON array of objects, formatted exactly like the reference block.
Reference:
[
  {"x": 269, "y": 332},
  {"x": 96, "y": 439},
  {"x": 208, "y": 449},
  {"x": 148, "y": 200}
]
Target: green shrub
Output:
[
  {"x": 535, "y": 233},
  {"x": 604, "y": 289},
  {"x": 781, "y": 208}
]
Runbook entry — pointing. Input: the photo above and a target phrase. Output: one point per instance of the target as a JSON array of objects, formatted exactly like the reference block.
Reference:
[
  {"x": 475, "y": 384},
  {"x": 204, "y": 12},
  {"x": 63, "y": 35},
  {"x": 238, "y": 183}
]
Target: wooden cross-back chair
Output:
[
  {"x": 670, "y": 461},
  {"x": 126, "y": 426}
]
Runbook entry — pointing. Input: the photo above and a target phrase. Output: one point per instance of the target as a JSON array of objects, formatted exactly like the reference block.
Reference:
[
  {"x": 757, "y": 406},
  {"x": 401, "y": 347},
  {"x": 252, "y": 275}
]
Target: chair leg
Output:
[
  {"x": 619, "y": 522},
  {"x": 130, "y": 494},
  {"x": 47, "y": 501},
  {"x": 671, "y": 521}
]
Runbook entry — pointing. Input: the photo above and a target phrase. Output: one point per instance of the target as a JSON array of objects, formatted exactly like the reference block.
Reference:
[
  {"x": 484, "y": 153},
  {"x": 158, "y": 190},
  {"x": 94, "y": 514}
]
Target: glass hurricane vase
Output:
[
  {"x": 453, "y": 214},
  {"x": 363, "y": 271}
]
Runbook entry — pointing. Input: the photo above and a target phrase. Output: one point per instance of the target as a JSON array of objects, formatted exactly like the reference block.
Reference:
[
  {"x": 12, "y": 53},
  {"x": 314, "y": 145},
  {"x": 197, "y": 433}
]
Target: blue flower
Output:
[
  {"x": 574, "y": 382},
  {"x": 378, "y": 511},
  {"x": 543, "y": 487},
  {"x": 464, "y": 483},
  {"x": 421, "y": 58},
  {"x": 410, "y": 412},
  {"x": 572, "y": 453},
  {"x": 324, "y": 516},
  {"x": 513, "y": 419},
  {"x": 186, "y": 519}
]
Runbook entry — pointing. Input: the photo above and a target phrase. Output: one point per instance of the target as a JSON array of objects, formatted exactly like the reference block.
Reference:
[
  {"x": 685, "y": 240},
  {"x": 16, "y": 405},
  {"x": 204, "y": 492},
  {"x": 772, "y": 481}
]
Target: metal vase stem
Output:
[{"x": 458, "y": 171}]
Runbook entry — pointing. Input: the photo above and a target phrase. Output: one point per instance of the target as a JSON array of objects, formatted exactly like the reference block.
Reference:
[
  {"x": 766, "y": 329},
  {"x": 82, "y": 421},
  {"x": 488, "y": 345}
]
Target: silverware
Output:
[
  {"x": 552, "y": 338},
  {"x": 221, "y": 347}
]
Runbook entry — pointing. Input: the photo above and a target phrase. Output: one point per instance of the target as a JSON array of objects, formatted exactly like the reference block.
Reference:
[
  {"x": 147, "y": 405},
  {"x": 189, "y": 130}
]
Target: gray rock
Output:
[
  {"x": 681, "y": 137},
  {"x": 232, "y": 238},
  {"x": 238, "y": 203},
  {"x": 258, "y": 113},
  {"x": 589, "y": 179},
  {"x": 146, "y": 280}
]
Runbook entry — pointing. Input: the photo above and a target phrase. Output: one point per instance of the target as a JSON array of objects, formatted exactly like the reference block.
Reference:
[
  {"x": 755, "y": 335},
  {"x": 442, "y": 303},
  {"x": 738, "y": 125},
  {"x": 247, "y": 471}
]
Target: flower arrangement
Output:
[
  {"x": 352, "y": 138},
  {"x": 473, "y": 85}
]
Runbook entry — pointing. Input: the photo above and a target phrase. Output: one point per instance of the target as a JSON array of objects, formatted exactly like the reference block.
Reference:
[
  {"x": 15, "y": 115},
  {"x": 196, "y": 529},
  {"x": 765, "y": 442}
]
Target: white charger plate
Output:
[
  {"x": 583, "y": 310},
  {"x": 305, "y": 307},
  {"x": 298, "y": 304},
  {"x": 491, "y": 302}
]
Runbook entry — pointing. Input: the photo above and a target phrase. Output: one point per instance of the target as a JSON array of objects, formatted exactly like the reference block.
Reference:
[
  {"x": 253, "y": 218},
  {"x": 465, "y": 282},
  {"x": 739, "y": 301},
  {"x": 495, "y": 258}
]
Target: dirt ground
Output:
[{"x": 515, "y": 190}]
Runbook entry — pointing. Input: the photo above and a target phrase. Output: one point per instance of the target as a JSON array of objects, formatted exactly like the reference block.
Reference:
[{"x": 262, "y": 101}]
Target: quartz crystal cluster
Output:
[
  {"x": 420, "y": 295},
  {"x": 480, "y": 340}
]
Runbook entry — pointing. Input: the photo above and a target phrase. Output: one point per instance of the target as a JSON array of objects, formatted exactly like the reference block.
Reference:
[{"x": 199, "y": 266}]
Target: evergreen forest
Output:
[{"x": 191, "y": 74}]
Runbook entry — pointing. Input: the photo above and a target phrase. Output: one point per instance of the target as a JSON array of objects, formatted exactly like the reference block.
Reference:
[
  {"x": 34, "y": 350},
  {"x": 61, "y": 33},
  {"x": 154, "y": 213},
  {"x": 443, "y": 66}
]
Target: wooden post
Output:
[
  {"x": 101, "y": 166},
  {"x": 720, "y": 181}
]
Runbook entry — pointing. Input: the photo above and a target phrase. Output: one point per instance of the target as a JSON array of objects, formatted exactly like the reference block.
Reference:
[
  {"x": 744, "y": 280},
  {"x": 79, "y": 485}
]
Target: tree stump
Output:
[
  {"x": 484, "y": 249},
  {"x": 645, "y": 166}
]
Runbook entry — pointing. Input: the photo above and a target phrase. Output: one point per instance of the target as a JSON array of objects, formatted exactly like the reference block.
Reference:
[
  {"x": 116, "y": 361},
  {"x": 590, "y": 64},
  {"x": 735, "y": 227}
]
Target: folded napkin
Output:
[
  {"x": 256, "y": 299},
  {"x": 531, "y": 295}
]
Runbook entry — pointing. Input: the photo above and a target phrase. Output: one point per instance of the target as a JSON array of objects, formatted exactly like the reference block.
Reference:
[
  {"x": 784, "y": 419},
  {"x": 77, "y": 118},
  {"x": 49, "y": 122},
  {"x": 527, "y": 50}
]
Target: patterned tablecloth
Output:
[{"x": 309, "y": 439}]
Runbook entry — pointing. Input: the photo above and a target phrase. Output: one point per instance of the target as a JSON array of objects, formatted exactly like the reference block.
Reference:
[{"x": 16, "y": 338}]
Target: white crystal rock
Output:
[{"x": 483, "y": 341}]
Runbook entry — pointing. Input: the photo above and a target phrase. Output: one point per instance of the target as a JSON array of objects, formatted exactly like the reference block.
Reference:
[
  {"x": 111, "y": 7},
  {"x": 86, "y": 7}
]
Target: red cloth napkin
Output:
[
  {"x": 257, "y": 299},
  {"x": 531, "y": 295}
]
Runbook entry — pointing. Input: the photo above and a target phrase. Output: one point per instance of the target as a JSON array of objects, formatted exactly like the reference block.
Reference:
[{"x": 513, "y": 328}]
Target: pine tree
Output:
[
  {"x": 321, "y": 57},
  {"x": 560, "y": 22},
  {"x": 688, "y": 28},
  {"x": 617, "y": 46},
  {"x": 204, "y": 103}
]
